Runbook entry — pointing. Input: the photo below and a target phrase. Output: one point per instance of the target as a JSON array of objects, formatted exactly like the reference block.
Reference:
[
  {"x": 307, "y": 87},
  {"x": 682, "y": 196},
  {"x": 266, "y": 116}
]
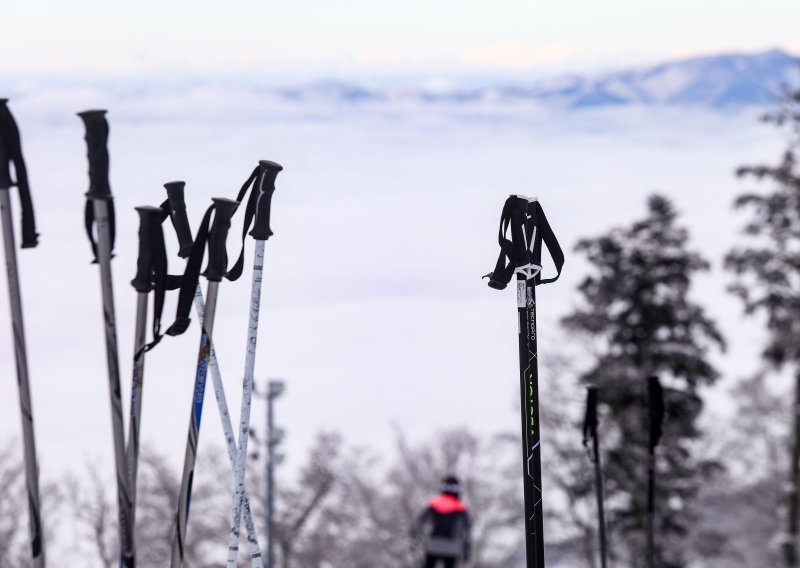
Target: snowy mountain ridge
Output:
[
  {"x": 720, "y": 81},
  {"x": 717, "y": 82}
]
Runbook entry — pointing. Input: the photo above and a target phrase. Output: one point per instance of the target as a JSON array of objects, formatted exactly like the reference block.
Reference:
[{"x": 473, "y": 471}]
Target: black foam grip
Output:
[
  {"x": 590, "y": 418},
  {"x": 265, "y": 187},
  {"x": 97, "y": 144},
  {"x": 149, "y": 221},
  {"x": 591, "y": 407},
  {"x": 217, "y": 237},
  {"x": 5, "y": 156},
  {"x": 177, "y": 212}
]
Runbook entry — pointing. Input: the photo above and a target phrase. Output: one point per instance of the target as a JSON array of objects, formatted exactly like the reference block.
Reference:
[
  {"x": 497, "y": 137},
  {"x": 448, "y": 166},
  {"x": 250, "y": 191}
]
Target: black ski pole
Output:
[
  {"x": 655, "y": 404},
  {"x": 143, "y": 284},
  {"x": 590, "y": 435},
  {"x": 222, "y": 210},
  {"x": 521, "y": 255},
  {"x": 100, "y": 214},
  {"x": 151, "y": 276},
  {"x": 11, "y": 152}
]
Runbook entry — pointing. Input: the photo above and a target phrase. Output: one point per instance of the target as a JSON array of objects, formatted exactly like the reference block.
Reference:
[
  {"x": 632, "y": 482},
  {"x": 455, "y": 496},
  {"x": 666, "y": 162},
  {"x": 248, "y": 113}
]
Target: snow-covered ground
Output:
[{"x": 385, "y": 219}]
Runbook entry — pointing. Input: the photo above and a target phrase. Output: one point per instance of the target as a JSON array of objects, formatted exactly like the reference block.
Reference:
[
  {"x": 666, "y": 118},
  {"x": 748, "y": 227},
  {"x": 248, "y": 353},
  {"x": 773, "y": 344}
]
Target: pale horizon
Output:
[{"x": 354, "y": 39}]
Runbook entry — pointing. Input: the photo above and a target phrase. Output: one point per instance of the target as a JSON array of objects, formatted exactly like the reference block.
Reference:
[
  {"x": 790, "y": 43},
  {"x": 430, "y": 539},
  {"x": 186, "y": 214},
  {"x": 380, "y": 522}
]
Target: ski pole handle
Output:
[
  {"x": 266, "y": 187},
  {"x": 591, "y": 409},
  {"x": 5, "y": 157},
  {"x": 177, "y": 212},
  {"x": 217, "y": 253},
  {"x": 97, "y": 143},
  {"x": 149, "y": 220}
]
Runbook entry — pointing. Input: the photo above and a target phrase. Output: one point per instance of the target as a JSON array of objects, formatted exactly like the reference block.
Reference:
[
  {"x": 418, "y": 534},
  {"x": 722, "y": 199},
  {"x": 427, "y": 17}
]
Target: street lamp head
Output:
[{"x": 275, "y": 388}]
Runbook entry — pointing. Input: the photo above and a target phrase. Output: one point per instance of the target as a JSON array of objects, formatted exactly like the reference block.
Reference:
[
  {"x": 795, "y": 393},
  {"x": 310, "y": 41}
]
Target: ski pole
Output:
[
  {"x": 655, "y": 405},
  {"x": 11, "y": 151},
  {"x": 143, "y": 284},
  {"x": 222, "y": 210},
  {"x": 590, "y": 433},
  {"x": 521, "y": 255},
  {"x": 100, "y": 212},
  {"x": 177, "y": 212},
  {"x": 265, "y": 187},
  {"x": 151, "y": 275},
  {"x": 151, "y": 266},
  {"x": 230, "y": 439}
]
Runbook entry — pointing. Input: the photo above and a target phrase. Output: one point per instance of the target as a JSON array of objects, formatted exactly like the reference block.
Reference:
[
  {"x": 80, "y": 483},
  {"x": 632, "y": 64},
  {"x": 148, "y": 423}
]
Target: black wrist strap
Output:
[
  {"x": 191, "y": 277},
  {"x": 162, "y": 281},
  {"x": 13, "y": 145},
  {"x": 522, "y": 250},
  {"x": 249, "y": 214},
  {"x": 88, "y": 221}
]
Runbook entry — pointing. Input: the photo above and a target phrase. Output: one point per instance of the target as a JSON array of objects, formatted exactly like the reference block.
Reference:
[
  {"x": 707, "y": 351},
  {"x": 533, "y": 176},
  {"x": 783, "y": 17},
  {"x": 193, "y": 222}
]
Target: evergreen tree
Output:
[
  {"x": 767, "y": 273},
  {"x": 636, "y": 306}
]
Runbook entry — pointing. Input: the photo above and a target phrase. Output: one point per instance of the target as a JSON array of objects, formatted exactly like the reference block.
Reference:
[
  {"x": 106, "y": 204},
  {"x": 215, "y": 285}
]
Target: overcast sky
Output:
[{"x": 312, "y": 37}]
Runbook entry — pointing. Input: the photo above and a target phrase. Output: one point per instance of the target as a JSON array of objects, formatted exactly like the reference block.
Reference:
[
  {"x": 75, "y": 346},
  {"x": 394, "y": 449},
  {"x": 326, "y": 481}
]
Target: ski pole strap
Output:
[
  {"x": 161, "y": 279},
  {"x": 176, "y": 209},
  {"x": 238, "y": 266},
  {"x": 590, "y": 419},
  {"x": 521, "y": 252},
  {"x": 261, "y": 185},
  {"x": 655, "y": 404},
  {"x": 99, "y": 188},
  {"x": 215, "y": 236},
  {"x": 11, "y": 152},
  {"x": 543, "y": 234},
  {"x": 151, "y": 273}
]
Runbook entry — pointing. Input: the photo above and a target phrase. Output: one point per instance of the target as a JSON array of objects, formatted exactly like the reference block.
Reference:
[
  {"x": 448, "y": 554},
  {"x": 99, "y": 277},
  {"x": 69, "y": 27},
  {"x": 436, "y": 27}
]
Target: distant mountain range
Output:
[
  {"x": 726, "y": 81},
  {"x": 720, "y": 81}
]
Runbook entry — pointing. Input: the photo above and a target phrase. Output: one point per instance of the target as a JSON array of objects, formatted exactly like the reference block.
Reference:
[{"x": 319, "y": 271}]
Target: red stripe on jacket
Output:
[{"x": 445, "y": 504}]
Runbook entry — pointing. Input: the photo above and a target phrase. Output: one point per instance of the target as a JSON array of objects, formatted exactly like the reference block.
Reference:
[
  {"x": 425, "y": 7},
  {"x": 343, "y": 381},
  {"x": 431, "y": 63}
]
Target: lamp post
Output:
[{"x": 274, "y": 437}]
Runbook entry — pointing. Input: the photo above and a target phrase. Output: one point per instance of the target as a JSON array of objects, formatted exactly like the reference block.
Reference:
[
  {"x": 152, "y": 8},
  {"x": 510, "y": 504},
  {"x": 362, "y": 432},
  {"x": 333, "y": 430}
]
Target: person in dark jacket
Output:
[{"x": 444, "y": 526}]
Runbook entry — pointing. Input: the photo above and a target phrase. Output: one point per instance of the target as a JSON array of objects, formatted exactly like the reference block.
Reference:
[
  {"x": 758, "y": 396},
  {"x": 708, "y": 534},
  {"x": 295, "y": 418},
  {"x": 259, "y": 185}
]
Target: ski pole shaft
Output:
[
  {"x": 651, "y": 487},
  {"x": 590, "y": 430},
  {"x": 655, "y": 407},
  {"x": 21, "y": 356},
  {"x": 230, "y": 439},
  {"x": 601, "y": 515},
  {"x": 101, "y": 203},
  {"x": 217, "y": 262},
  {"x": 9, "y": 136},
  {"x": 265, "y": 187},
  {"x": 137, "y": 391},
  {"x": 531, "y": 436}
]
